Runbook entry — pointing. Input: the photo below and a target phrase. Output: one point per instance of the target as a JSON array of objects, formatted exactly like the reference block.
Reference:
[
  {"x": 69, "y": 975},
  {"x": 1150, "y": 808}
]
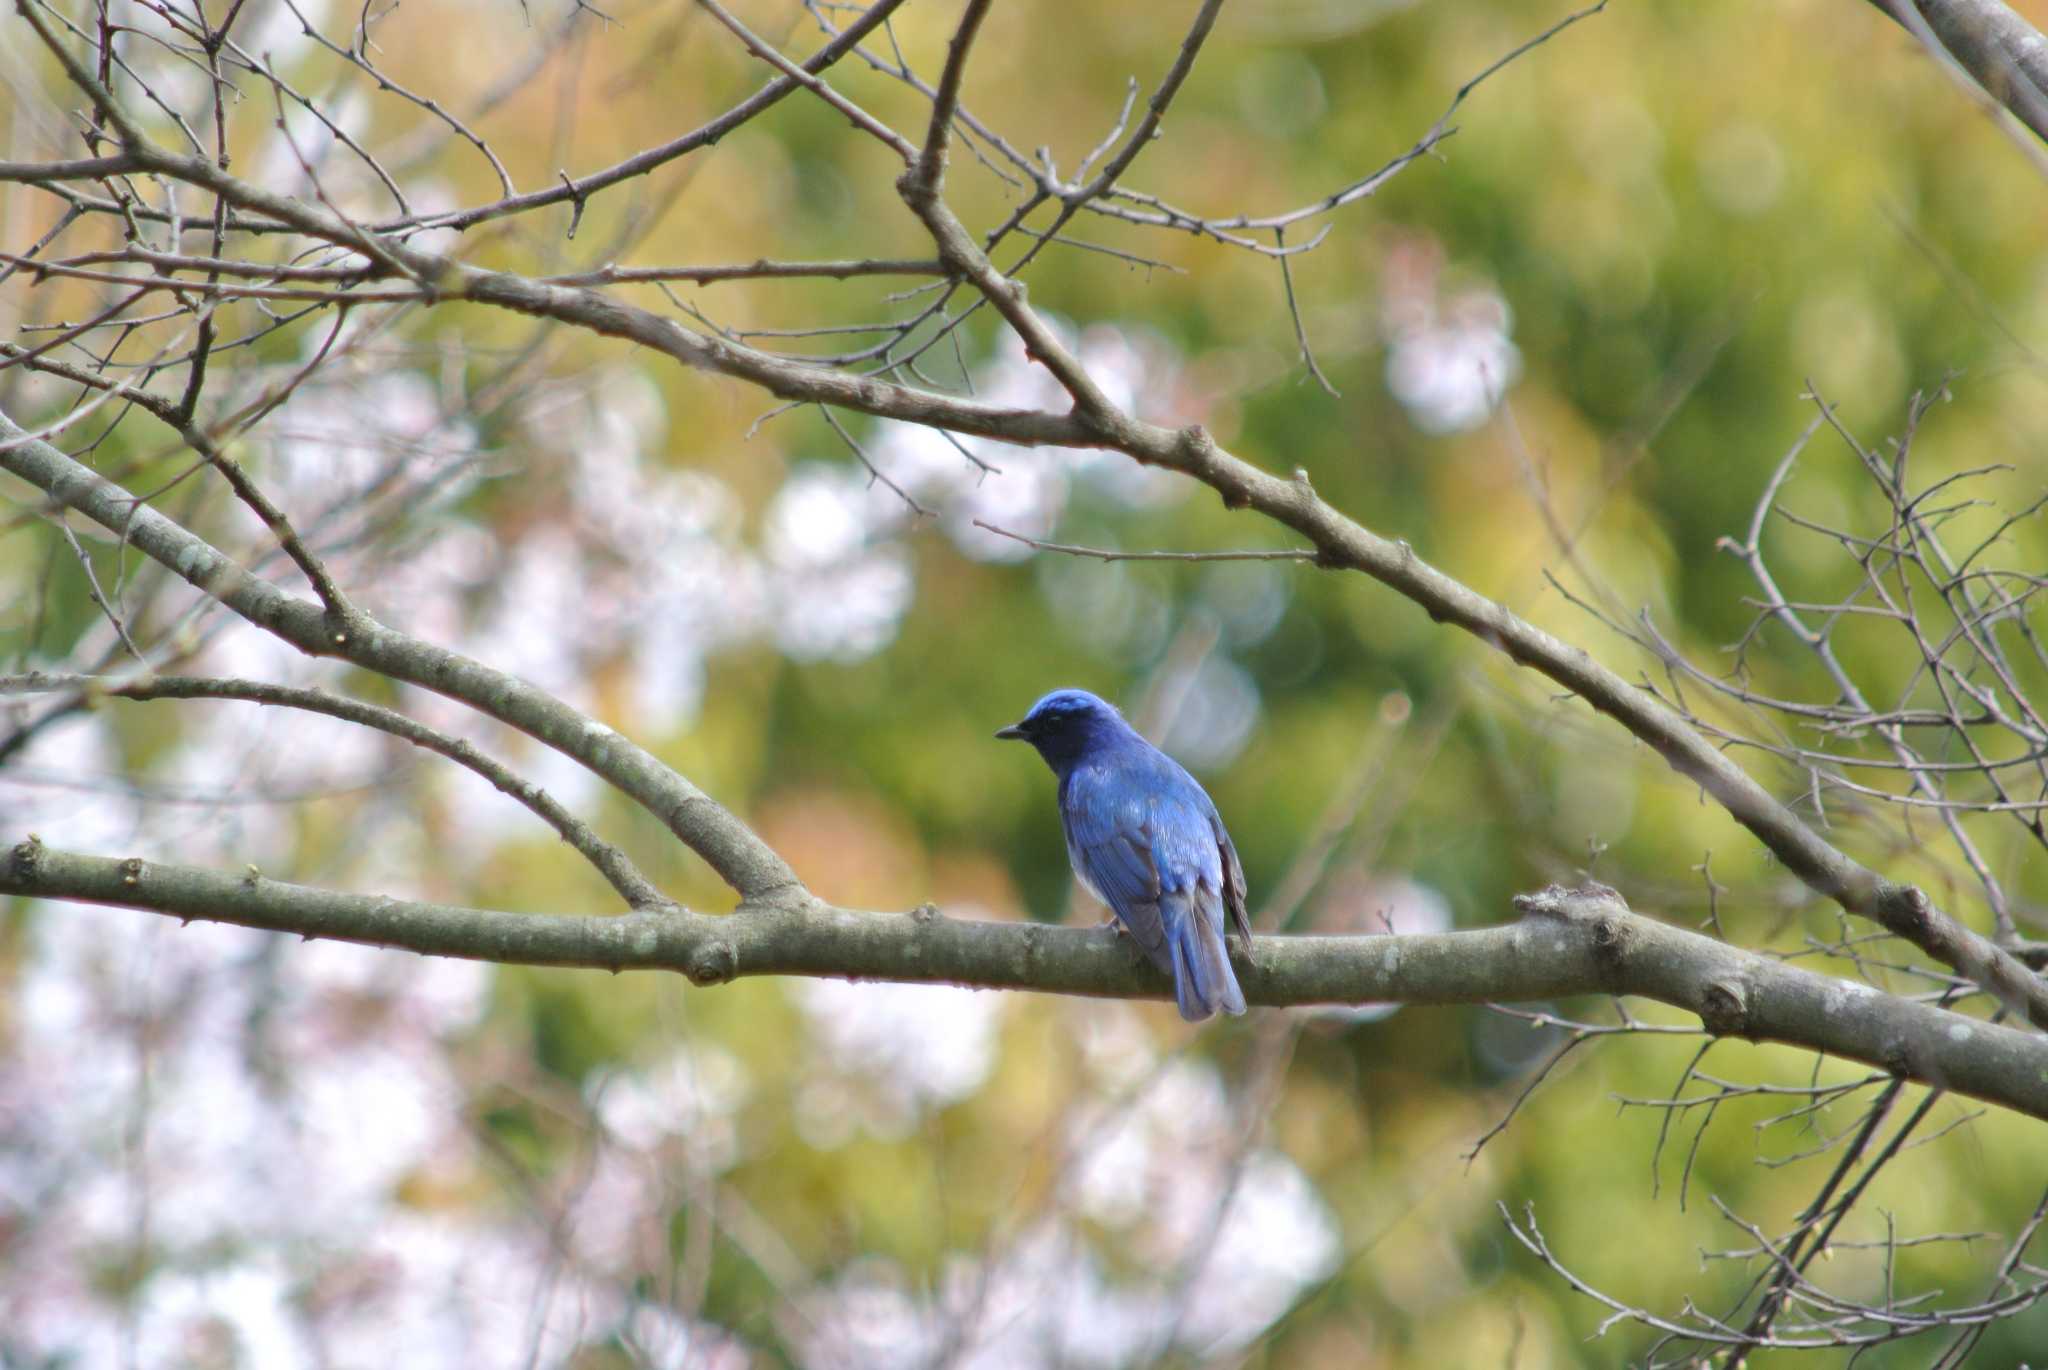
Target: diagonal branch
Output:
[
  {"x": 761, "y": 48},
  {"x": 614, "y": 865},
  {"x": 742, "y": 859},
  {"x": 2004, "y": 54}
]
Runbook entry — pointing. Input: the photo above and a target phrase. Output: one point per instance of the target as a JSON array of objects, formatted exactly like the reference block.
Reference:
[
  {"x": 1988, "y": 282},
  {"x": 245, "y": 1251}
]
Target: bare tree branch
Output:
[
  {"x": 1567, "y": 942},
  {"x": 745, "y": 862},
  {"x": 618, "y": 870},
  {"x": 2002, "y": 52}
]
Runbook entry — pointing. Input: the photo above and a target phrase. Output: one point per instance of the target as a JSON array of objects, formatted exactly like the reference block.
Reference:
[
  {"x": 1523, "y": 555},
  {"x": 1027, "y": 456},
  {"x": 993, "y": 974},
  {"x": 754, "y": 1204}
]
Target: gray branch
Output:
[
  {"x": 2002, "y": 52},
  {"x": 1567, "y": 942}
]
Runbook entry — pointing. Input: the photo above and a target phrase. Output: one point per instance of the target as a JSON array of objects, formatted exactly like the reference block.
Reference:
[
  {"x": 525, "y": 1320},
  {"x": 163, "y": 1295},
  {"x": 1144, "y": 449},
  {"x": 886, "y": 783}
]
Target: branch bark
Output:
[
  {"x": 1567, "y": 942},
  {"x": 2004, "y": 54}
]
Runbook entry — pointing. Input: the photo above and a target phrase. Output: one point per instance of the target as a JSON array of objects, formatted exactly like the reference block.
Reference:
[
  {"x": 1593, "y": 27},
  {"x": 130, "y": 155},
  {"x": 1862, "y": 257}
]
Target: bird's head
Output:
[{"x": 1065, "y": 724}]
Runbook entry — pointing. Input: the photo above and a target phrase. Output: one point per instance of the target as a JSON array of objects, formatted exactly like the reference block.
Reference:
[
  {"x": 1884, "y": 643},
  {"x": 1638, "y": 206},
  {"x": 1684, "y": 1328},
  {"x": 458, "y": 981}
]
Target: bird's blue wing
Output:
[
  {"x": 1184, "y": 846},
  {"x": 1110, "y": 825}
]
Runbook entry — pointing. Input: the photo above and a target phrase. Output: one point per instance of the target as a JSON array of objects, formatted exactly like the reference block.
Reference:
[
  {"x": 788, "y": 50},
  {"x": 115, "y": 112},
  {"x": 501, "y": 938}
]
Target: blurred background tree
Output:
[{"x": 1561, "y": 353}]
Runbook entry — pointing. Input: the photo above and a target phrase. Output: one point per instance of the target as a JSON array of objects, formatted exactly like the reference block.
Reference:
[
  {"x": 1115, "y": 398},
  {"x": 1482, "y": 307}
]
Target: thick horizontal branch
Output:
[{"x": 1567, "y": 942}]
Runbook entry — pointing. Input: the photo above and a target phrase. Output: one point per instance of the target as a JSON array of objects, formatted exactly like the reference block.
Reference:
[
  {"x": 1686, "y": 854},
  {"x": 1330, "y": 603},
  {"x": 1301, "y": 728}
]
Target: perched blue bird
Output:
[{"x": 1147, "y": 841}]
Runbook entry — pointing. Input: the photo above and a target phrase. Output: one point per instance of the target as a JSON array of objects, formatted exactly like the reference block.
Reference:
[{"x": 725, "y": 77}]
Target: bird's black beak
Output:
[{"x": 1014, "y": 732}]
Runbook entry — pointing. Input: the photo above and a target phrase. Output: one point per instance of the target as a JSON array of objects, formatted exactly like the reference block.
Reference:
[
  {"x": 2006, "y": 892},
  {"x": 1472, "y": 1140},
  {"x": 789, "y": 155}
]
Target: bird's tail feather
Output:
[{"x": 1203, "y": 983}]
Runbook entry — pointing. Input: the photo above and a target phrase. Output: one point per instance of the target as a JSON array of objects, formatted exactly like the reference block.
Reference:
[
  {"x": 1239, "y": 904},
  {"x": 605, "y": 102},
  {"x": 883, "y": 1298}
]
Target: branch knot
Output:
[
  {"x": 714, "y": 963},
  {"x": 1724, "y": 1009}
]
